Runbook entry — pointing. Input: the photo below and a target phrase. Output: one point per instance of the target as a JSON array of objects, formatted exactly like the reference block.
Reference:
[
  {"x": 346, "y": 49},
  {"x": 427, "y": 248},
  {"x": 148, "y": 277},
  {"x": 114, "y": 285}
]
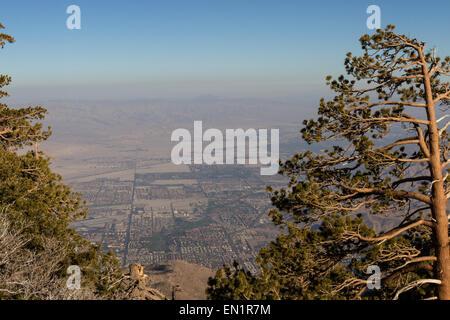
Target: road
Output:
[{"x": 130, "y": 219}]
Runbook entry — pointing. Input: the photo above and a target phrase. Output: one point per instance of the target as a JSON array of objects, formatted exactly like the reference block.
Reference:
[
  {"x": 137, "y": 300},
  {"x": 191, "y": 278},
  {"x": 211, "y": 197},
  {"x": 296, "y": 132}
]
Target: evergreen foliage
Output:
[
  {"x": 389, "y": 160},
  {"x": 37, "y": 243}
]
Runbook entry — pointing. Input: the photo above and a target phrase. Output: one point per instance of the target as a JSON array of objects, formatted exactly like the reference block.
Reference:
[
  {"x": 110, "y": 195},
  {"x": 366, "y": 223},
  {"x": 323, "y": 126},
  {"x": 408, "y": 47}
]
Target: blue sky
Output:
[{"x": 198, "y": 47}]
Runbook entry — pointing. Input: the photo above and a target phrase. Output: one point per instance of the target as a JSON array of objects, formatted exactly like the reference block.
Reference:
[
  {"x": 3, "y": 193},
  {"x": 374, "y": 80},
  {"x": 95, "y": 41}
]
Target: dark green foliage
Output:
[
  {"x": 38, "y": 208},
  {"x": 386, "y": 162}
]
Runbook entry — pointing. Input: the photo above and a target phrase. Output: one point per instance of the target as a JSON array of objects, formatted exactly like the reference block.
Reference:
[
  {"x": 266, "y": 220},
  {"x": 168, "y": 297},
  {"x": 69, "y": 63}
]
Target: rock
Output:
[
  {"x": 137, "y": 286},
  {"x": 181, "y": 279}
]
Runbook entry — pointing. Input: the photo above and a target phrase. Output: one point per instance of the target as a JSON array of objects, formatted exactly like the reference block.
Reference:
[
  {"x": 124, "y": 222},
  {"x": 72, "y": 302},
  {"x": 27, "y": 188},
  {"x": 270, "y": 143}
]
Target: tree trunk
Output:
[
  {"x": 438, "y": 198},
  {"x": 442, "y": 249}
]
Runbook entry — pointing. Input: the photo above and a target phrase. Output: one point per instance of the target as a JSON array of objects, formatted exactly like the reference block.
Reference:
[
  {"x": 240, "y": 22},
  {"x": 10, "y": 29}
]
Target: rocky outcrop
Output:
[
  {"x": 138, "y": 287},
  {"x": 179, "y": 279}
]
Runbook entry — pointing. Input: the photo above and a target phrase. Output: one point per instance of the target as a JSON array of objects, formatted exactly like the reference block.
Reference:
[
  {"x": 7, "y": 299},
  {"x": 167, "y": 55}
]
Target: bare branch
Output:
[
  {"x": 442, "y": 118},
  {"x": 392, "y": 233},
  {"x": 442, "y": 96},
  {"x": 441, "y": 131},
  {"x": 415, "y": 284},
  {"x": 398, "y": 193},
  {"x": 396, "y": 119},
  {"x": 412, "y": 179},
  {"x": 399, "y": 103}
]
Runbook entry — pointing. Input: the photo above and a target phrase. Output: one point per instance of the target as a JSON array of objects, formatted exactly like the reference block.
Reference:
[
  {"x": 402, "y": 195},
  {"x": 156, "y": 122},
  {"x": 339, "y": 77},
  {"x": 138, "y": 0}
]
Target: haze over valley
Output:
[{"x": 150, "y": 211}]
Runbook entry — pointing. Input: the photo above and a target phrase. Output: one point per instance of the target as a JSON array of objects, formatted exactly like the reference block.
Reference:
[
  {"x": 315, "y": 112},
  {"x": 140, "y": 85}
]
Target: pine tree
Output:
[
  {"x": 37, "y": 243},
  {"x": 389, "y": 160}
]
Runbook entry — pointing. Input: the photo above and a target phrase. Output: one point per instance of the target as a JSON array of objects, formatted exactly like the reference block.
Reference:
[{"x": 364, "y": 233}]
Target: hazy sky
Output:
[{"x": 139, "y": 48}]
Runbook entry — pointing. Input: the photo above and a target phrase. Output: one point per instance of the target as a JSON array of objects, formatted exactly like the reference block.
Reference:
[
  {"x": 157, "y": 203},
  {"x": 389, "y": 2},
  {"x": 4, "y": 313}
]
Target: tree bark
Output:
[{"x": 438, "y": 198}]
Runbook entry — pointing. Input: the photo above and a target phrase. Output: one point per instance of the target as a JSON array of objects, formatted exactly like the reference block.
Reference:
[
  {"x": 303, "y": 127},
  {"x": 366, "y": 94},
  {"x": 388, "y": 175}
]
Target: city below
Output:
[{"x": 152, "y": 211}]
